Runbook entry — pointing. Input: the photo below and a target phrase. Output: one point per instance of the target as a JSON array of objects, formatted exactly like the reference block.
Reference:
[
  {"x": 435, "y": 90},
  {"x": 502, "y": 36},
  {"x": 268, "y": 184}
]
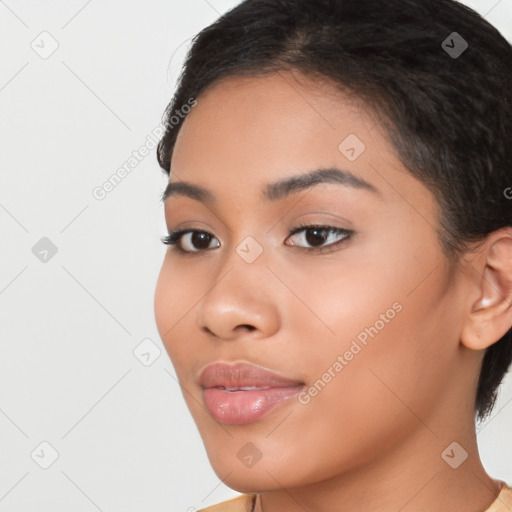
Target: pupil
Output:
[
  {"x": 199, "y": 239},
  {"x": 317, "y": 238}
]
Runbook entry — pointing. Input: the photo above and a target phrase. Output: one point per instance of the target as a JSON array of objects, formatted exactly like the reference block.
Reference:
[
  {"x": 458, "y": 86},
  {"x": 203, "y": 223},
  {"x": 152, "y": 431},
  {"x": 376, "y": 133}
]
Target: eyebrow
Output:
[{"x": 279, "y": 189}]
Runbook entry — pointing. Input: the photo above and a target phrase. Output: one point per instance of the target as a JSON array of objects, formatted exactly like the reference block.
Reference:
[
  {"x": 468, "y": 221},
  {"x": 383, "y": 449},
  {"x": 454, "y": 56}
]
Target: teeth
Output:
[{"x": 246, "y": 388}]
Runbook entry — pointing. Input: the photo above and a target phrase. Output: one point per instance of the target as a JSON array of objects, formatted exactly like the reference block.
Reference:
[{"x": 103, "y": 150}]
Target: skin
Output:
[{"x": 372, "y": 439}]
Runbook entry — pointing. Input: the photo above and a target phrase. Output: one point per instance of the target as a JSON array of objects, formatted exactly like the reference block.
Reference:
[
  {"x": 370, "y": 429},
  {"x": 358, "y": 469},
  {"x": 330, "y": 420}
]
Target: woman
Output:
[{"x": 336, "y": 297}]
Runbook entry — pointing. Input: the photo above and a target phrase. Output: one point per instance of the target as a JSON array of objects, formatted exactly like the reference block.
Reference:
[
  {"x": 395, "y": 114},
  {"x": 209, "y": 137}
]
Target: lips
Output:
[
  {"x": 242, "y": 376},
  {"x": 241, "y": 393}
]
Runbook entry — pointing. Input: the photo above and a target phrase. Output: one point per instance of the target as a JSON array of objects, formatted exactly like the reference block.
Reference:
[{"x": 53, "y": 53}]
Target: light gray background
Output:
[{"x": 69, "y": 326}]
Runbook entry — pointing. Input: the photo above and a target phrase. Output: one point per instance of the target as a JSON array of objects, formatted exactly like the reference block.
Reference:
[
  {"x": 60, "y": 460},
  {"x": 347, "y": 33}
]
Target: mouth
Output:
[
  {"x": 246, "y": 388},
  {"x": 242, "y": 393}
]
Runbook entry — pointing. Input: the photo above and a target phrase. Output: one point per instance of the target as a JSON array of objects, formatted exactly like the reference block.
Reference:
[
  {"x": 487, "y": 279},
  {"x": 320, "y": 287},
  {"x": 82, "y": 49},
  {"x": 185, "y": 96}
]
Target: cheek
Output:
[
  {"x": 369, "y": 405},
  {"x": 175, "y": 295},
  {"x": 164, "y": 302},
  {"x": 389, "y": 322}
]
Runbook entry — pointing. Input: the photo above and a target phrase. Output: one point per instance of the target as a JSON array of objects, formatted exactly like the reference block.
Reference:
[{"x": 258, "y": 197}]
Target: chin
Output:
[
  {"x": 263, "y": 476},
  {"x": 247, "y": 482}
]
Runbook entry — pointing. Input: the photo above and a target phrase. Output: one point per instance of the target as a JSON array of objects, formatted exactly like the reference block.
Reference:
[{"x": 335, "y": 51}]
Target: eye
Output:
[
  {"x": 195, "y": 241},
  {"x": 199, "y": 239},
  {"x": 317, "y": 236}
]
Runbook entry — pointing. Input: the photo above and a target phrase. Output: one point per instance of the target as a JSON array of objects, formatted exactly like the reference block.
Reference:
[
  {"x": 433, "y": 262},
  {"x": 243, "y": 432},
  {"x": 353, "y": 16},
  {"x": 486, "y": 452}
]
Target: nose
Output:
[{"x": 240, "y": 300}]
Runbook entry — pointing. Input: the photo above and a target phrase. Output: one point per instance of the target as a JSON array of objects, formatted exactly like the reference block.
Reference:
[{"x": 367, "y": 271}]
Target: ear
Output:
[{"x": 490, "y": 316}]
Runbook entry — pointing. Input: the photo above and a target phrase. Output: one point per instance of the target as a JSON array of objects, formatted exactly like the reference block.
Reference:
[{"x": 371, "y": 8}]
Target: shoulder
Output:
[
  {"x": 503, "y": 502},
  {"x": 243, "y": 503}
]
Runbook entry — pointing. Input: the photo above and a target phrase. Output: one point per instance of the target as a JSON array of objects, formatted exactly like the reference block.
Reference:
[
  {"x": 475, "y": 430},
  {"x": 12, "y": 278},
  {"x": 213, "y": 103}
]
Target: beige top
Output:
[{"x": 245, "y": 503}]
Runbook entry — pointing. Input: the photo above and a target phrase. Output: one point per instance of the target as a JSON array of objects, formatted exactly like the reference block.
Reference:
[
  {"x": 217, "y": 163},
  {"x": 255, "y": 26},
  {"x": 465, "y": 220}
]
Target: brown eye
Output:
[
  {"x": 317, "y": 236},
  {"x": 197, "y": 242}
]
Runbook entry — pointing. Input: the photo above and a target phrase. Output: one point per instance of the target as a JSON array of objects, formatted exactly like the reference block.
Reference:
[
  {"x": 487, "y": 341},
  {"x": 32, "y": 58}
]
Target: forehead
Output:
[
  {"x": 265, "y": 123},
  {"x": 247, "y": 132}
]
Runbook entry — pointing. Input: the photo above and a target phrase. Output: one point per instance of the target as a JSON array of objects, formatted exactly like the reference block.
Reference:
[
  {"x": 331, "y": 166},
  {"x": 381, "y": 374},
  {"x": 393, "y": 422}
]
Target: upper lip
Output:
[{"x": 233, "y": 375}]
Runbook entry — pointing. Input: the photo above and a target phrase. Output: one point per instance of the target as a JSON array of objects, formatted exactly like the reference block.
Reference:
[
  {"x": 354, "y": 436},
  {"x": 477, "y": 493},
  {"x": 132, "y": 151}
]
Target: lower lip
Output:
[{"x": 242, "y": 407}]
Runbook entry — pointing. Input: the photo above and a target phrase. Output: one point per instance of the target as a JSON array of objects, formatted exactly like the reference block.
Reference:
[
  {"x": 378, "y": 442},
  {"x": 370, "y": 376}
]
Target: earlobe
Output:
[{"x": 490, "y": 316}]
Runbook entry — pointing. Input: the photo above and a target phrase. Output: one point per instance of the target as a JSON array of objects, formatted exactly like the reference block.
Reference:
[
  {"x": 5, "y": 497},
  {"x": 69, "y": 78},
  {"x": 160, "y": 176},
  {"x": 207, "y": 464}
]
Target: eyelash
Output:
[{"x": 174, "y": 237}]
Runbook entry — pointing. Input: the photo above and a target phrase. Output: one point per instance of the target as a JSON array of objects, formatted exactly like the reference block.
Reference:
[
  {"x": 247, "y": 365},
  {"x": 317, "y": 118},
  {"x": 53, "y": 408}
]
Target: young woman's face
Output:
[{"x": 366, "y": 320}]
